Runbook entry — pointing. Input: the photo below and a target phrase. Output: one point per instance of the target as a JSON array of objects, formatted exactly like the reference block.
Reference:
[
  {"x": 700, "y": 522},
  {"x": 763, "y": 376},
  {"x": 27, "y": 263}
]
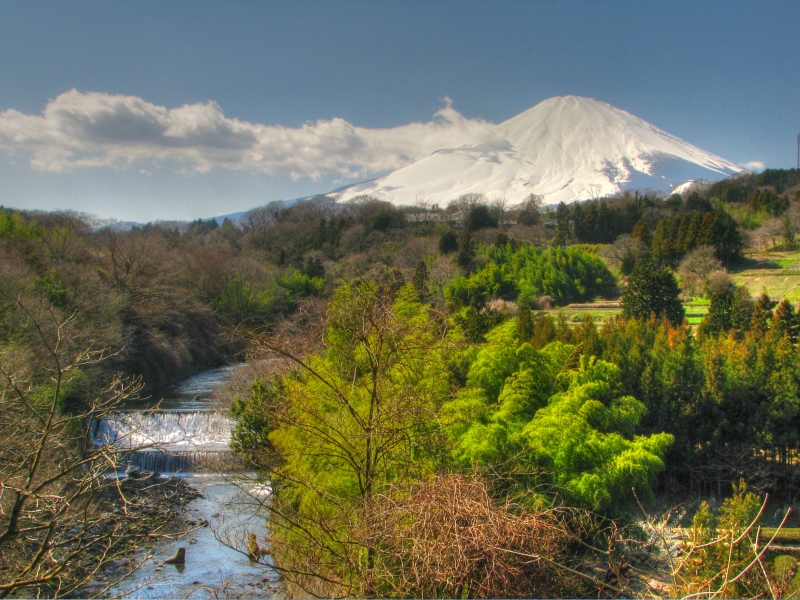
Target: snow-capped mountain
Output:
[{"x": 564, "y": 149}]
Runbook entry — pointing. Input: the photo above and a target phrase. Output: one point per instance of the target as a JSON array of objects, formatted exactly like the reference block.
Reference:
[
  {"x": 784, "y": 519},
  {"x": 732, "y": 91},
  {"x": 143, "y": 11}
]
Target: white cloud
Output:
[
  {"x": 101, "y": 130},
  {"x": 755, "y": 166}
]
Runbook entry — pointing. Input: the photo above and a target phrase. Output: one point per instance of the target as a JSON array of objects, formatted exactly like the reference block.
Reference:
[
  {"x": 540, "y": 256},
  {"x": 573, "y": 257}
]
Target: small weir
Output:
[{"x": 170, "y": 441}]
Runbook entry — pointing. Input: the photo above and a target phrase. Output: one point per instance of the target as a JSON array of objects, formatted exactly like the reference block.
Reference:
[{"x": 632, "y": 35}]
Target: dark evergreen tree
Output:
[
  {"x": 479, "y": 217},
  {"x": 420, "y": 280},
  {"x": 762, "y": 314},
  {"x": 660, "y": 236},
  {"x": 524, "y": 323},
  {"x": 720, "y": 313},
  {"x": 466, "y": 252},
  {"x": 544, "y": 331},
  {"x": 784, "y": 322},
  {"x": 448, "y": 242},
  {"x": 501, "y": 239},
  {"x": 652, "y": 290},
  {"x": 696, "y": 203},
  {"x": 641, "y": 231},
  {"x": 741, "y": 311},
  {"x": 314, "y": 267}
]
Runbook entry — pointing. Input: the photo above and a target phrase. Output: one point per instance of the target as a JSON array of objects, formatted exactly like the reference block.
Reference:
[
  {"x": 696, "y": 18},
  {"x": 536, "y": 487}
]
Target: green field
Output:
[
  {"x": 602, "y": 310},
  {"x": 777, "y": 273},
  {"x": 787, "y": 535}
]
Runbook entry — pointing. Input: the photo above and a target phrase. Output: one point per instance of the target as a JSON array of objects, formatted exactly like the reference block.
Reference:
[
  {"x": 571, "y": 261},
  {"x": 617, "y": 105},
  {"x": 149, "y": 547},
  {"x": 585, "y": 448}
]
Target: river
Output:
[{"x": 187, "y": 437}]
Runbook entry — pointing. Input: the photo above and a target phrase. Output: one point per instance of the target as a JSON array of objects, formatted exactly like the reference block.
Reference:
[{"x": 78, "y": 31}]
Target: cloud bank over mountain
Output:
[{"x": 93, "y": 129}]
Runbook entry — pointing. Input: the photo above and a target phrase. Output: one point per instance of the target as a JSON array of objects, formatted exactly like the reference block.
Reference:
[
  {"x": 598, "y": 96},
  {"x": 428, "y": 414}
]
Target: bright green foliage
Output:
[
  {"x": 720, "y": 550},
  {"x": 300, "y": 284},
  {"x": 555, "y": 410},
  {"x": 255, "y": 420},
  {"x": 51, "y": 285},
  {"x": 350, "y": 421},
  {"x": 566, "y": 274},
  {"x": 348, "y": 407},
  {"x": 14, "y": 225},
  {"x": 242, "y": 303},
  {"x": 580, "y": 440}
]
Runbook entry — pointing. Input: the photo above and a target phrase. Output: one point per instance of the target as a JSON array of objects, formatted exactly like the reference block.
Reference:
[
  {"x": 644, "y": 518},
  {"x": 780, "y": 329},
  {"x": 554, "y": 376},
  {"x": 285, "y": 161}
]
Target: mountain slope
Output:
[{"x": 564, "y": 149}]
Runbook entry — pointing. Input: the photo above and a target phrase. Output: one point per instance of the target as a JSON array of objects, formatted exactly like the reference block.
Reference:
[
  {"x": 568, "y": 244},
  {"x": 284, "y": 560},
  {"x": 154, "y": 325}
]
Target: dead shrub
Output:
[{"x": 448, "y": 538}]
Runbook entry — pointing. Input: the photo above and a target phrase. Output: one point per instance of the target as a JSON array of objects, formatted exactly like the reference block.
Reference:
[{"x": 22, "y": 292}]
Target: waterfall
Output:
[
  {"x": 195, "y": 461},
  {"x": 169, "y": 441}
]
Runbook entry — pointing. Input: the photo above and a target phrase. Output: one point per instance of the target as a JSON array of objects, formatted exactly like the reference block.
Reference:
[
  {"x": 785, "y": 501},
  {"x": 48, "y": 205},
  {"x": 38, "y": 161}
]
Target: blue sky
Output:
[{"x": 285, "y": 99}]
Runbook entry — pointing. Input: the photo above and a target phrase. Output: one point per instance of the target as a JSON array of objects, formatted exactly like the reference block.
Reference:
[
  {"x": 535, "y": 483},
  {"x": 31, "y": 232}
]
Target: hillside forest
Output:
[{"x": 477, "y": 400}]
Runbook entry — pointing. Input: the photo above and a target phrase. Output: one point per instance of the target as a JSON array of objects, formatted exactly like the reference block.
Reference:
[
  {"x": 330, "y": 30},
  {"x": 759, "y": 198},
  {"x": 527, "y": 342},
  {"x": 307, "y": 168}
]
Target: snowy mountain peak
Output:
[{"x": 565, "y": 148}]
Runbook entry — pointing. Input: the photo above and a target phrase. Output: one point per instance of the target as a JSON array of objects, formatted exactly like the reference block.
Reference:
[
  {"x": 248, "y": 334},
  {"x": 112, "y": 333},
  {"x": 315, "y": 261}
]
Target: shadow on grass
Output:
[{"x": 752, "y": 264}]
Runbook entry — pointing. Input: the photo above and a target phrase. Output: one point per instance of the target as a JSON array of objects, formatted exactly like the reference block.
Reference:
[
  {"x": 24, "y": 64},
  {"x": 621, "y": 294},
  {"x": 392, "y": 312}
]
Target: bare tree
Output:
[
  {"x": 460, "y": 208},
  {"x": 53, "y": 537},
  {"x": 696, "y": 268},
  {"x": 498, "y": 207},
  {"x": 594, "y": 189},
  {"x": 263, "y": 217}
]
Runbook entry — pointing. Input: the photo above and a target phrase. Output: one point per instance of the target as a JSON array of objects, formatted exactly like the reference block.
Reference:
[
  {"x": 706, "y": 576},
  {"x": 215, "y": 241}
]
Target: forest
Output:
[{"x": 445, "y": 412}]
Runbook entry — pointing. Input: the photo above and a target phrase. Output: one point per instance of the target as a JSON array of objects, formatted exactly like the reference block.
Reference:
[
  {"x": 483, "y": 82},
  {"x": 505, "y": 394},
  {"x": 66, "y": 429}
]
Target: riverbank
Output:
[{"x": 142, "y": 511}]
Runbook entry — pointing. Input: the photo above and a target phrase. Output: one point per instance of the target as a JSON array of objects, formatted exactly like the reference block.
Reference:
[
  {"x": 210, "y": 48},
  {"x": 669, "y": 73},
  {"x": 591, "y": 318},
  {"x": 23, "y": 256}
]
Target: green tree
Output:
[
  {"x": 448, "y": 242},
  {"x": 762, "y": 314},
  {"x": 641, "y": 232},
  {"x": 529, "y": 215},
  {"x": 525, "y": 323},
  {"x": 479, "y": 217},
  {"x": 652, "y": 291},
  {"x": 466, "y": 252},
  {"x": 420, "y": 280},
  {"x": 556, "y": 411},
  {"x": 785, "y": 322},
  {"x": 348, "y": 422}
]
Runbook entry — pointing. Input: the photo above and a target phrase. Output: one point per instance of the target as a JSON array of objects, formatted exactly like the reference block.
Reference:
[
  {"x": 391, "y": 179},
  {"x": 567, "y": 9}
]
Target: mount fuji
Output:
[{"x": 564, "y": 149}]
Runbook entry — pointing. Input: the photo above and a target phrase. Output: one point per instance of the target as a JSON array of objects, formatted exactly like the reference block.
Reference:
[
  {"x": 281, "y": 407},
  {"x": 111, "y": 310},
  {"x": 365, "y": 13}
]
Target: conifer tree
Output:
[
  {"x": 784, "y": 322},
  {"x": 652, "y": 291},
  {"x": 420, "y": 280},
  {"x": 525, "y": 322},
  {"x": 762, "y": 313}
]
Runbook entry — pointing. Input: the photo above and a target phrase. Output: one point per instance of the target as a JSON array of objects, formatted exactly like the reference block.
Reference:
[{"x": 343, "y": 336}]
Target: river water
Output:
[{"x": 187, "y": 437}]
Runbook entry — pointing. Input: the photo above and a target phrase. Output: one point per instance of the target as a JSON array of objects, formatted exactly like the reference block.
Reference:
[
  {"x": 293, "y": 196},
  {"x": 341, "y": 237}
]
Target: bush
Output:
[{"x": 566, "y": 275}]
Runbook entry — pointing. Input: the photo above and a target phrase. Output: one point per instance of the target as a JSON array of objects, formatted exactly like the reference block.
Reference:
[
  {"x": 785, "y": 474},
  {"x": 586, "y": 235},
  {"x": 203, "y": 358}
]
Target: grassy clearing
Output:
[
  {"x": 787, "y": 535},
  {"x": 604, "y": 310},
  {"x": 600, "y": 311},
  {"x": 777, "y": 273},
  {"x": 696, "y": 309}
]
